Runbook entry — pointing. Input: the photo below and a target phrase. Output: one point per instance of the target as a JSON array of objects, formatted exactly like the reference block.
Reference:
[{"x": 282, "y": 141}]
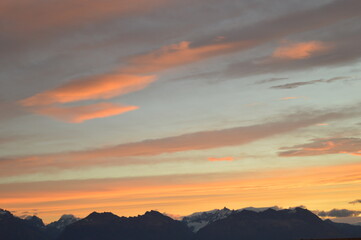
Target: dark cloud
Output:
[
  {"x": 355, "y": 201},
  {"x": 299, "y": 84},
  {"x": 322, "y": 146},
  {"x": 339, "y": 213},
  {"x": 272, "y": 80}
]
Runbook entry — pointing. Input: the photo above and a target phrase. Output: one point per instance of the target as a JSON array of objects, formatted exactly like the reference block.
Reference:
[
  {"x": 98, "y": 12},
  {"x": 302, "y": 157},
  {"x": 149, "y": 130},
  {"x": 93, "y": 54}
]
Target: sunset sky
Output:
[{"x": 180, "y": 106}]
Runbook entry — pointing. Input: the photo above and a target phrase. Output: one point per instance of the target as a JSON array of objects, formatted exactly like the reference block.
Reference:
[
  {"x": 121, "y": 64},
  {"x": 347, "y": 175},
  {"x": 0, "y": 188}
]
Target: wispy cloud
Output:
[
  {"x": 176, "y": 55},
  {"x": 290, "y": 98},
  {"x": 58, "y": 15},
  {"x": 213, "y": 159},
  {"x": 351, "y": 146},
  {"x": 339, "y": 213},
  {"x": 322, "y": 124},
  {"x": 98, "y": 87},
  {"x": 355, "y": 201},
  {"x": 117, "y": 154},
  {"x": 300, "y": 50},
  {"x": 80, "y": 114},
  {"x": 299, "y": 84},
  {"x": 272, "y": 80}
]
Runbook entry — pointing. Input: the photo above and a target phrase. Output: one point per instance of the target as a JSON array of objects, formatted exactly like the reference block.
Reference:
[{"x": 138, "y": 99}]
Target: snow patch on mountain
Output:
[
  {"x": 199, "y": 220},
  {"x": 64, "y": 221}
]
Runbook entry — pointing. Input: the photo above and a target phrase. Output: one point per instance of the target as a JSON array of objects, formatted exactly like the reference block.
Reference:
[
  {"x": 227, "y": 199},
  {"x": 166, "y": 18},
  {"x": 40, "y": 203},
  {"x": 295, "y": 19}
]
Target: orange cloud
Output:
[
  {"x": 322, "y": 124},
  {"x": 111, "y": 85},
  {"x": 290, "y": 98},
  {"x": 121, "y": 154},
  {"x": 300, "y": 50},
  {"x": 176, "y": 55},
  {"x": 349, "y": 146},
  {"x": 327, "y": 146},
  {"x": 80, "y": 114},
  {"x": 100, "y": 87},
  {"x": 358, "y": 153},
  {"x": 212, "y": 159}
]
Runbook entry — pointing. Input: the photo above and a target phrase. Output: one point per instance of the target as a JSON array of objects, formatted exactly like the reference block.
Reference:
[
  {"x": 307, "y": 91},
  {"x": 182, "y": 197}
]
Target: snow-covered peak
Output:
[
  {"x": 64, "y": 221},
  {"x": 67, "y": 217},
  {"x": 199, "y": 220},
  {"x": 211, "y": 212}
]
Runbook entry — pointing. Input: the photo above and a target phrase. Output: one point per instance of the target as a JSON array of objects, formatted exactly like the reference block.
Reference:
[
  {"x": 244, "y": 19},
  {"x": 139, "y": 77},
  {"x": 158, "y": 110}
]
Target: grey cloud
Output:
[
  {"x": 355, "y": 201},
  {"x": 339, "y": 213},
  {"x": 299, "y": 84},
  {"x": 272, "y": 80},
  {"x": 322, "y": 146}
]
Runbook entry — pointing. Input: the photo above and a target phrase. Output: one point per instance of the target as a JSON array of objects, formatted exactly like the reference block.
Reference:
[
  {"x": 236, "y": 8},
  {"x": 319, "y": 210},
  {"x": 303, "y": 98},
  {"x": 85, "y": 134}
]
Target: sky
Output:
[{"x": 180, "y": 106}]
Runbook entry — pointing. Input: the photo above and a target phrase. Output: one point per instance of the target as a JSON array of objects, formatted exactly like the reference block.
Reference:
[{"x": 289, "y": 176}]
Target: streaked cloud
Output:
[
  {"x": 299, "y": 84},
  {"x": 176, "y": 55},
  {"x": 272, "y": 80},
  {"x": 80, "y": 114},
  {"x": 290, "y": 98},
  {"x": 213, "y": 159},
  {"x": 351, "y": 146},
  {"x": 99, "y": 87},
  {"x": 300, "y": 50},
  {"x": 355, "y": 201},
  {"x": 34, "y": 16},
  {"x": 339, "y": 213},
  {"x": 118, "y": 154},
  {"x": 322, "y": 124}
]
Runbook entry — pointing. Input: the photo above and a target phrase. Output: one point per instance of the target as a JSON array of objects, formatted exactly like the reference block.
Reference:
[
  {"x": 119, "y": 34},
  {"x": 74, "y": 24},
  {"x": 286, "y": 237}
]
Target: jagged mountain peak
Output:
[
  {"x": 63, "y": 221},
  {"x": 35, "y": 221},
  {"x": 4, "y": 212},
  {"x": 154, "y": 213}
]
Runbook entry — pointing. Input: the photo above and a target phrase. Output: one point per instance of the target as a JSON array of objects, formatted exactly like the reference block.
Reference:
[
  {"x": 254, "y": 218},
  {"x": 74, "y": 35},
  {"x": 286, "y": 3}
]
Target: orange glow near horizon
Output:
[{"x": 184, "y": 194}]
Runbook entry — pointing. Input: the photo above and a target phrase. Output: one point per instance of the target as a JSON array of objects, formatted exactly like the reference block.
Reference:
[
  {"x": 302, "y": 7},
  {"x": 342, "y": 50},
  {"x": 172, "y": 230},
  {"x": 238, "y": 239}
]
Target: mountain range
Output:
[{"x": 247, "y": 223}]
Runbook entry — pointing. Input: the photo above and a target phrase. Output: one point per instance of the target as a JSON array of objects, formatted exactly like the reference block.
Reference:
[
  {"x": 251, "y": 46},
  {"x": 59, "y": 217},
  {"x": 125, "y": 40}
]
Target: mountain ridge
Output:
[{"x": 247, "y": 223}]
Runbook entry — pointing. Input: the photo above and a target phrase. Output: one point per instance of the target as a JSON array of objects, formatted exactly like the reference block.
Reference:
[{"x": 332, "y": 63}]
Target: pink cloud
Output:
[
  {"x": 122, "y": 154},
  {"x": 177, "y": 55},
  {"x": 212, "y": 159},
  {"x": 300, "y": 50},
  {"x": 29, "y": 16},
  {"x": 80, "y": 114},
  {"x": 351, "y": 146},
  {"x": 99, "y": 87}
]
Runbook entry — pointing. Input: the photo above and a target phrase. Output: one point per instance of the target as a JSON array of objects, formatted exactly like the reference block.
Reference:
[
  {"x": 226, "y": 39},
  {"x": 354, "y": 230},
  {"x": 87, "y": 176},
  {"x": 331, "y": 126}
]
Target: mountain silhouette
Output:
[
  {"x": 225, "y": 224},
  {"x": 14, "y": 228},
  {"x": 152, "y": 226}
]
